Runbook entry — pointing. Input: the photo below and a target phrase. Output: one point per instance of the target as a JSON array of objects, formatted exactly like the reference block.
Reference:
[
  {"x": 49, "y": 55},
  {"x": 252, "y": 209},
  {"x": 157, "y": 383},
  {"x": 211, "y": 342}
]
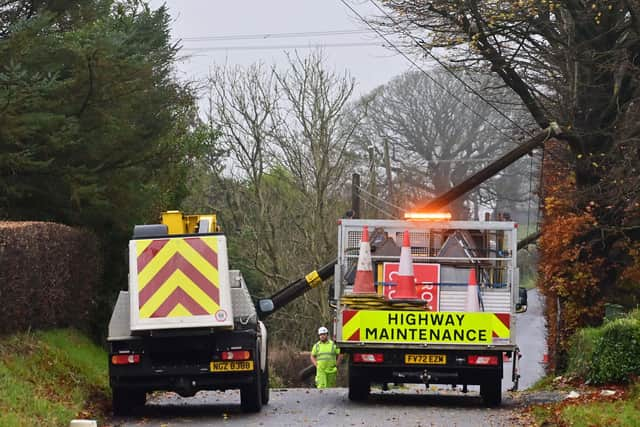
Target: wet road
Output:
[
  {"x": 531, "y": 338},
  {"x": 410, "y": 406},
  {"x": 414, "y": 406}
]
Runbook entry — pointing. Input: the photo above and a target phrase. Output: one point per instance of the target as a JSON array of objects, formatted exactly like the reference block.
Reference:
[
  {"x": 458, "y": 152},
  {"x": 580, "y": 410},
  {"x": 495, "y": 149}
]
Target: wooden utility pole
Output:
[
  {"x": 355, "y": 195},
  {"x": 372, "y": 182},
  {"x": 387, "y": 167},
  {"x": 474, "y": 180}
]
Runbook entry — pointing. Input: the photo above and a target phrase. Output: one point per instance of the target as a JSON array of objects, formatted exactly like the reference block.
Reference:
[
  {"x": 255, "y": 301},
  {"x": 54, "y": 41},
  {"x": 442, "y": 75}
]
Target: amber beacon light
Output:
[{"x": 427, "y": 216}]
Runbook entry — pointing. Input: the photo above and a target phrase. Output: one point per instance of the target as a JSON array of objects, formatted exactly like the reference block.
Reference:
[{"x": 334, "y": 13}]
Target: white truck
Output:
[
  {"x": 434, "y": 339},
  {"x": 187, "y": 322}
]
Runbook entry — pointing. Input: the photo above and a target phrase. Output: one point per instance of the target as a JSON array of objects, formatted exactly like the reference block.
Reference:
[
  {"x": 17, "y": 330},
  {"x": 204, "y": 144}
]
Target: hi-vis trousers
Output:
[{"x": 326, "y": 377}]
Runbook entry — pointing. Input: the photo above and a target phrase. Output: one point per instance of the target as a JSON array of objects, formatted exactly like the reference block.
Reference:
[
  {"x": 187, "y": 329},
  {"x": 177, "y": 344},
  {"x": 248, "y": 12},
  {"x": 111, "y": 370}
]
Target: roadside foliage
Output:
[
  {"x": 576, "y": 64},
  {"x": 49, "y": 275},
  {"x": 95, "y": 129},
  {"x": 607, "y": 354}
]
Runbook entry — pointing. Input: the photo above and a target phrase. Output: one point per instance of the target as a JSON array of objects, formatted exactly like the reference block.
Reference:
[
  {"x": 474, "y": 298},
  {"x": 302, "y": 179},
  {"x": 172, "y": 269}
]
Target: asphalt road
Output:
[
  {"x": 310, "y": 407},
  {"x": 531, "y": 338},
  {"x": 411, "y": 406}
]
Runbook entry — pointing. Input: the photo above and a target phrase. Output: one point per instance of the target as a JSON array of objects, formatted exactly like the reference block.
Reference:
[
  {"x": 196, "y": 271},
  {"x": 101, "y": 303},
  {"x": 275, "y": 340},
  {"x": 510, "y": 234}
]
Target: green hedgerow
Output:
[
  {"x": 616, "y": 354},
  {"x": 581, "y": 348}
]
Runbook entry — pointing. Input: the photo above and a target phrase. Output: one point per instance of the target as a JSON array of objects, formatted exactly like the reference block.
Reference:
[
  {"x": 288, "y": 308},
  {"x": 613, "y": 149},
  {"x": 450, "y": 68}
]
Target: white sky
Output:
[{"x": 370, "y": 65}]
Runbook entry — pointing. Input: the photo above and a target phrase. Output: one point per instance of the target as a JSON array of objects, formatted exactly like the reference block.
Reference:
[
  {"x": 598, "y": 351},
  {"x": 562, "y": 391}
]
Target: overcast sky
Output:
[{"x": 209, "y": 29}]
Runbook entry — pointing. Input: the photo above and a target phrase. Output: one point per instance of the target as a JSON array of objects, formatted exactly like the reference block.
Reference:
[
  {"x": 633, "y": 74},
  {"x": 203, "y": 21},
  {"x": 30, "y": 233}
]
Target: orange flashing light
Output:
[{"x": 427, "y": 216}]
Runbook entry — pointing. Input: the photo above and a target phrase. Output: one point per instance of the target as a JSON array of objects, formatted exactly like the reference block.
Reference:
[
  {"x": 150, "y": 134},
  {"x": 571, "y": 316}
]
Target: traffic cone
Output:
[
  {"x": 364, "y": 274},
  {"x": 406, "y": 287},
  {"x": 473, "y": 304}
]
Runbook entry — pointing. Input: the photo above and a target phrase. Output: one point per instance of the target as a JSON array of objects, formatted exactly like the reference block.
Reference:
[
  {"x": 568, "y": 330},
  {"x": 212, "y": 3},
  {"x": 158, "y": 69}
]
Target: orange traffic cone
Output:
[
  {"x": 472, "y": 293},
  {"x": 406, "y": 288},
  {"x": 364, "y": 274}
]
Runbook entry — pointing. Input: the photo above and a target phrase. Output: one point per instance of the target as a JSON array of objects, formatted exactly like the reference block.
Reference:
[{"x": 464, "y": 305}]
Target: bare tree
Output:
[
  {"x": 314, "y": 138},
  {"x": 289, "y": 153},
  {"x": 242, "y": 104},
  {"x": 574, "y": 62},
  {"x": 438, "y": 133}
]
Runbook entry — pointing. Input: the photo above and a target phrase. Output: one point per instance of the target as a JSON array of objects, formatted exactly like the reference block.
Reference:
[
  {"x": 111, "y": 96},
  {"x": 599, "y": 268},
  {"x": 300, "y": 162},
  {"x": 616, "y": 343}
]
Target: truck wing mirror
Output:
[
  {"x": 521, "y": 305},
  {"x": 265, "y": 305}
]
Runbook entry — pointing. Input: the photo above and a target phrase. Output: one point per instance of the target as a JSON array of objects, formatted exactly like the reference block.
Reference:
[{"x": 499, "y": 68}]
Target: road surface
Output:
[
  {"x": 331, "y": 407},
  {"x": 531, "y": 338},
  {"x": 409, "y": 406}
]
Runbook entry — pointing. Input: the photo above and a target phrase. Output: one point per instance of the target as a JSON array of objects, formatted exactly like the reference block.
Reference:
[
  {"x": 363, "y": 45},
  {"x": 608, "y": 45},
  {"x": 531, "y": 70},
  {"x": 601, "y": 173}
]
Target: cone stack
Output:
[
  {"x": 473, "y": 304},
  {"x": 363, "y": 283},
  {"x": 406, "y": 288}
]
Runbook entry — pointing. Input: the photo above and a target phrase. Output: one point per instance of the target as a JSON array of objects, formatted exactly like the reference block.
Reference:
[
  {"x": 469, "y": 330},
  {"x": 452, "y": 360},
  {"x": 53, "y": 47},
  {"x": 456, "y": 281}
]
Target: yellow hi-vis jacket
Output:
[{"x": 325, "y": 354}]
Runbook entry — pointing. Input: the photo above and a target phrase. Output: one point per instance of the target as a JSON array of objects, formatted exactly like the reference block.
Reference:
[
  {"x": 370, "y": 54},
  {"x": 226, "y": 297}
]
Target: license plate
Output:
[
  {"x": 425, "y": 359},
  {"x": 232, "y": 366}
]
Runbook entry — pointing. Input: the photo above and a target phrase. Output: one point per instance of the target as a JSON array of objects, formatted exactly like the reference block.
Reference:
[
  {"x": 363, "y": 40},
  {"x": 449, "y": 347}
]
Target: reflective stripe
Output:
[{"x": 325, "y": 355}]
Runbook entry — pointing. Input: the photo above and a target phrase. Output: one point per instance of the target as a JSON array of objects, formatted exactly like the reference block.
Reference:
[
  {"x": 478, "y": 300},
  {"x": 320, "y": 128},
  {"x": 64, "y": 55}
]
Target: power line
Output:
[
  {"x": 473, "y": 160},
  {"x": 279, "y": 47},
  {"x": 443, "y": 65},
  {"x": 390, "y": 215},
  {"x": 373, "y": 196},
  {"x": 457, "y": 98},
  {"x": 268, "y": 36}
]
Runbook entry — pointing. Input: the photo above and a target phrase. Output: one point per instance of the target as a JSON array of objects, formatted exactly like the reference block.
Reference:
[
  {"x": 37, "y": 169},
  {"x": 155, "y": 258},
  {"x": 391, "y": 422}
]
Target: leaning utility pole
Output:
[{"x": 490, "y": 170}]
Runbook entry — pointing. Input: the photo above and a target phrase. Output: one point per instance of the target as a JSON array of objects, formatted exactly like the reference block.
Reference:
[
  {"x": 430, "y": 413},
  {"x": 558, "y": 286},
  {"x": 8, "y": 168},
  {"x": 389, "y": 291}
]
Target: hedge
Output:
[
  {"x": 49, "y": 274},
  {"x": 608, "y": 354}
]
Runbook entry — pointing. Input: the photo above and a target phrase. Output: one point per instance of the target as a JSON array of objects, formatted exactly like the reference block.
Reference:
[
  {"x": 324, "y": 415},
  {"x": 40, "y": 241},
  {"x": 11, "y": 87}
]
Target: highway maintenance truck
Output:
[
  {"x": 427, "y": 300},
  {"x": 187, "y": 322}
]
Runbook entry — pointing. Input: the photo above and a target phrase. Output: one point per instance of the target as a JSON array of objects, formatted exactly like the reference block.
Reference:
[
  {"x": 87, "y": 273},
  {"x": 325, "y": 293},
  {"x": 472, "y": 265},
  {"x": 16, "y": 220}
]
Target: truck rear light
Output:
[
  {"x": 125, "y": 359},
  {"x": 235, "y": 355},
  {"x": 482, "y": 360},
  {"x": 368, "y": 357}
]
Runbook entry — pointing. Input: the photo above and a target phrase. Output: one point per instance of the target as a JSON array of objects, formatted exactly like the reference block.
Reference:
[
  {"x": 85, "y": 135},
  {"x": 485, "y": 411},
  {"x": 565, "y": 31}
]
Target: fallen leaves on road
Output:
[{"x": 580, "y": 394}]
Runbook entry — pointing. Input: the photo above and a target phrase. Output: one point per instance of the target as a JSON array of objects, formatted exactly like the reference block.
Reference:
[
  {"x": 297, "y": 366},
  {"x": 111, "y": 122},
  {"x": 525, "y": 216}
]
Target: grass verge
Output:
[
  {"x": 591, "y": 408},
  {"x": 49, "y": 378}
]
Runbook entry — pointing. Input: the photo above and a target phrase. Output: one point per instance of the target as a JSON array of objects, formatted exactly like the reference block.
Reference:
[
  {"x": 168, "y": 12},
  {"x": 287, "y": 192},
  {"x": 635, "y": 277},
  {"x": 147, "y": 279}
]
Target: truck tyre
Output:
[
  {"x": 251, "y": 394},
  {"x": 491, "y": 392},
  {"x": 359, "y": 387},
  {"x": 125, "y": 402},
  {"x": 265, "y": 382}
]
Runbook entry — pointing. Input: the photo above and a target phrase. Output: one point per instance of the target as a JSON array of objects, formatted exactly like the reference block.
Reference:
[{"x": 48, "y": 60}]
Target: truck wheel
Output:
[
  {"x": 265, "y": 383},
  {"x": 251, "y": 394},
  {"x": 491, "y": 392},
  {"x": 359, "y": 387},
  {"x": 125, "y": 402}
]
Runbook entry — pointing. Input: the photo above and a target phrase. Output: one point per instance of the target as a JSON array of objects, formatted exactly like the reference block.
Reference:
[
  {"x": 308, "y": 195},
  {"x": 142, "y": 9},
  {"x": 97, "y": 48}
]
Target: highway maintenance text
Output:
[{"x": 400, "y": 328}]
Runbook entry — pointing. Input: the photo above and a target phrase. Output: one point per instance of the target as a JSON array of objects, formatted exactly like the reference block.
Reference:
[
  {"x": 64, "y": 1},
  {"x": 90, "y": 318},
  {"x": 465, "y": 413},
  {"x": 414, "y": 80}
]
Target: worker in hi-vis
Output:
[{"x": 325, "y": 356}]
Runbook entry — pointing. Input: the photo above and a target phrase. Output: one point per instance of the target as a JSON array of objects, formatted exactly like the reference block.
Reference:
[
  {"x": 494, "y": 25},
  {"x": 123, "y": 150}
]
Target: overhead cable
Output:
[
  {"x": 362, "y": 190},
  {"x": 269, "y": 36},
  {"x": 443, "y": 65},
  {"x": 397, "y": 49},
  {"x": 366, "y": 202},
  {"x": 290, "y": 46}
]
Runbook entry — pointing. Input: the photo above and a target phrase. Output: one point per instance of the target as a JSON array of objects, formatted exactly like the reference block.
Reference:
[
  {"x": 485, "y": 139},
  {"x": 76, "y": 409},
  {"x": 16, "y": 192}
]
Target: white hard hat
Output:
[{"x": 322, "y": 330}]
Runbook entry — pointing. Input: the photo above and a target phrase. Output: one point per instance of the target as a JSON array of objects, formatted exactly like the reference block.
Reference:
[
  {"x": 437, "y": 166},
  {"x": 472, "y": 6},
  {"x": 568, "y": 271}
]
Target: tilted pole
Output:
[
  {"x": 531, "y": 238},
  {"x": 490, "y": 170}
]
